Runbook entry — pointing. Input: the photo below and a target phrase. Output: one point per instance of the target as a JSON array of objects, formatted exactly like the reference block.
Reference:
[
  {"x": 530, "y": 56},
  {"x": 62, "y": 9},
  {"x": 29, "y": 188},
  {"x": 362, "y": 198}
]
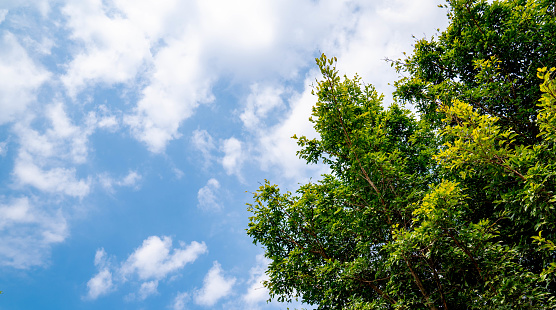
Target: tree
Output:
[
  {"x": 440, "y": 212},
  {"x": 488, "y": 58}
]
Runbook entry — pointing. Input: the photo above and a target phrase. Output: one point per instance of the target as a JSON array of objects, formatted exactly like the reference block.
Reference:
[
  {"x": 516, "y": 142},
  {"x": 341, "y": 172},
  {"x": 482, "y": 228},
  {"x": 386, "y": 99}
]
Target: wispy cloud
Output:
[
  {"x": 260, "y": 102},
  {"x": 180, "y": 301},
  {"x": 132, "y": 179},
  {"x": 28, "y": 231},
  {"x": 20, "y": 78},
  {"x": 208, "y": 196},
  {"x": 204, "y": 143},
  {"x": 234, "y": 156},
  {"x": 147, "y": 289},
  {"x": 48, "y": 157}
]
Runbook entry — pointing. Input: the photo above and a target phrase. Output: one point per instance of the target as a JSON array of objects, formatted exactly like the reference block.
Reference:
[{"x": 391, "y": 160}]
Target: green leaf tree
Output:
[{"x": 444, "y": 211}]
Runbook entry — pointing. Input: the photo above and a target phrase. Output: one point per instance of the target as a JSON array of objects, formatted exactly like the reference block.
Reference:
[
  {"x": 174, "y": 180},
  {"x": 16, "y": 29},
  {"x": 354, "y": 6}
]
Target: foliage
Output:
[
  {"x": 487, "y": 57},
  {"x": 441, "y": 212}
]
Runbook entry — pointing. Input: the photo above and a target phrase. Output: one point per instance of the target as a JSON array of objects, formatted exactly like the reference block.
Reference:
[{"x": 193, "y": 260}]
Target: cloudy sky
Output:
[{"x": 132, "y": 131}]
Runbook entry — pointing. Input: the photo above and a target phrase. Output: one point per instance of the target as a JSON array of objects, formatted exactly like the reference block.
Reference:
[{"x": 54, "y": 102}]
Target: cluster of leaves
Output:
[
  {"x": 440, "y": 212},
  {"x": 487, "y": 57}
]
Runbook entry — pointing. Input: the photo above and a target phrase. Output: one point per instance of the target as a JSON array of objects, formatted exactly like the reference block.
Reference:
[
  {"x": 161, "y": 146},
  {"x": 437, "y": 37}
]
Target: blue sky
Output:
[{"x": 133, "y": 131}]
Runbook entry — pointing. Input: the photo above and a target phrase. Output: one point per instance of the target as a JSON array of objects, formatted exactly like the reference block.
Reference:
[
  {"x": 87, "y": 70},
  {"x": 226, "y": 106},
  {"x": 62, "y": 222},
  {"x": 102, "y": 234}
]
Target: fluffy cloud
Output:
[
  {"x": 149, "y": 264},
  {"x": 155, "y": 258},
  {"x": 114, "y": 48},
  {"x": 181, "y": 48},
  {"x": 178, "y": 49},
  {"x": 215, "y": 287},
  {"x": 100, "y": 284},
  {"x": 28, "y": 232},
  {"x": 124, "y": 40},
  {"x": 268, "y": 38},
  {"x": 55, "y": 180},
  {"x": 20, "y": 78},
  {"x": 178, "y": 85},
  {"x": 208, "y": 196}
]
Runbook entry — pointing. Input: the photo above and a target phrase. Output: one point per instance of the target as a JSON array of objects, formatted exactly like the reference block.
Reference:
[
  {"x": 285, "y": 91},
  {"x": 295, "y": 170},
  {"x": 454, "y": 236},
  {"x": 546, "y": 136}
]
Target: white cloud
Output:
[
  {"x": 275, "y": 148},
  {"x": 147, "y": 289},
  {"x": 203, "y": 142},
  {"x": 256, "y": 292},
  {"x": 101, "y": 258},
  {"x": 245, "y": 25},
  {"x": 18, "y": 212},
  {"x": 233, "y": 156},
  {"x": 20, "y": 78},
  {"x": 114, "y": 47},
  {"x": 55, "y": 180},
  {"x": 47, "y": 160},
  {"x": 155, "y": 258},
  {"x": 208, "y": 196},
  {"x": 261, "y": 100},
  {"x": 181, "y": 48},
  {"x": 130, "y": 180},
  {"x": 181, "y": 55},
  {"x": 100, "y": 284},
  {"x": 102, "y": 119},
  {"x": 28, "y": 232},
  {"x": 270, "y": 37},
  {"x": 215, "y": 287},
  {"x": 180, "y": 301},
  {"x": 149, "y": 264},
  {"x": 177, "y": 86},
  {"x": 69, "y": 139},
  {"x": 3, "y": 13},
  {"x": 125, "y": 39}
]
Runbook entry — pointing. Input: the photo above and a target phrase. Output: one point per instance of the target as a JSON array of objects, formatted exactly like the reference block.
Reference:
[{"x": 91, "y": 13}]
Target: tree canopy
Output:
[{"x": 450, "y": 209}]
